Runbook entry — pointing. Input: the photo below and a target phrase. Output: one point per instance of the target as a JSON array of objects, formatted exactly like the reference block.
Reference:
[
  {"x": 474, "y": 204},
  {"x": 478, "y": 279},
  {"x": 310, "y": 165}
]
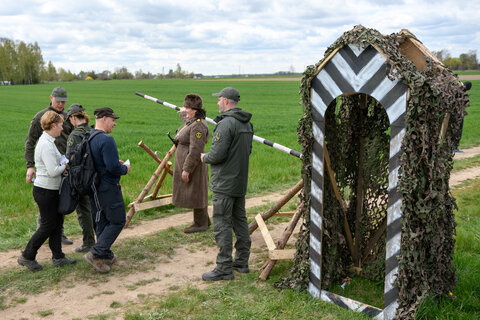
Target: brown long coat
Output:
[{"x": 191, "y": 137}]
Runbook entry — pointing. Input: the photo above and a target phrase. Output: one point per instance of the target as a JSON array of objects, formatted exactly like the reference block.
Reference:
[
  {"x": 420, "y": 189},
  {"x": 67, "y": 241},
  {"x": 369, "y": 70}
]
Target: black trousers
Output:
[{"x": 51, "y": 223}]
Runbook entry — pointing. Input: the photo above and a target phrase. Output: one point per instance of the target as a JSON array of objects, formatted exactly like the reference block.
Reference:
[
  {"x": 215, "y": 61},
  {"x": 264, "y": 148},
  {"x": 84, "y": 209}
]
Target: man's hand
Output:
[
  {"x": 185, "y": 176},
  {"x": 128, "y": 167},
  {"x": 201, "y": 156},
  {"x": 30, "y": 173}
]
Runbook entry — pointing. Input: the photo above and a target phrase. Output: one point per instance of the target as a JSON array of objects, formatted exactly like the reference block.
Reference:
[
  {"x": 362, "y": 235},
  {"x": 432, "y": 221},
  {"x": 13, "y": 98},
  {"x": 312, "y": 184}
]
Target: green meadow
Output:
[{"x": 276, "y": 110}]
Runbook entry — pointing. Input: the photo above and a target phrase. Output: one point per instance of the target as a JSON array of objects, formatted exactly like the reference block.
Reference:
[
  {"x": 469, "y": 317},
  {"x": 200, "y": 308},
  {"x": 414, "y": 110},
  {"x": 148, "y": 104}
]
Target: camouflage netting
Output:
[{"x": 353, "y": 127}]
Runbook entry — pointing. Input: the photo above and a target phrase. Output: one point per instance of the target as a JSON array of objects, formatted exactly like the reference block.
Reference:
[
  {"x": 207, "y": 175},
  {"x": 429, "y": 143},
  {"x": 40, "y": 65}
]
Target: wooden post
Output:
[
  {"x": 267, "y": 267},
  {"x": 160, "y": 181},
  {"x": 150, "y": 183},
  {"x": 443, "y": 129},
  {"x": 381, "y": 229},
  {"x": 339, "y": 197},
  {"x": 152, "y": 154},
  {"x": 274, "y": 209},
  {"x": 360, "y": 182}
]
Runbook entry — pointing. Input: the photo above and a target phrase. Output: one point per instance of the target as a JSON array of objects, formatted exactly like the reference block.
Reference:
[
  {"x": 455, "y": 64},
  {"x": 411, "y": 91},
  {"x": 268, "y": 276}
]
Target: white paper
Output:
[
  {"x": 127, "y": 162},
  {"x": 63, "y": 160}
]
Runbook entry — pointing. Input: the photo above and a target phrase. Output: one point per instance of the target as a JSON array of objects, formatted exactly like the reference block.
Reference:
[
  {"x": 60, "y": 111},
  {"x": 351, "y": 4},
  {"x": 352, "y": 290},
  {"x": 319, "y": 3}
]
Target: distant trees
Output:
[
  {"x": 466, "y": 61},
  {"x": 20, "y": 62}
]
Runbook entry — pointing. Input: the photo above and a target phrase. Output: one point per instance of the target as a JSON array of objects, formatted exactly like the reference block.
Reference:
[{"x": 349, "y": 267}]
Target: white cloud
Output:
[{"x": 221, "y": 37}]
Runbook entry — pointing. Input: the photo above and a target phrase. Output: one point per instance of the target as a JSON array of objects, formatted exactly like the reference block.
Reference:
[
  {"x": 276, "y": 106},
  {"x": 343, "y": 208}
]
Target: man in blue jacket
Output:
[
  {"x": 110, "y": 217},
  {"x": 229, "y": 157}
]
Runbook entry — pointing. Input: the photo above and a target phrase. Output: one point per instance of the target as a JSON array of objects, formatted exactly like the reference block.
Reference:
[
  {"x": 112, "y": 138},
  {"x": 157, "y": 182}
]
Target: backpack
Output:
[{"x": 83, "y": 176}]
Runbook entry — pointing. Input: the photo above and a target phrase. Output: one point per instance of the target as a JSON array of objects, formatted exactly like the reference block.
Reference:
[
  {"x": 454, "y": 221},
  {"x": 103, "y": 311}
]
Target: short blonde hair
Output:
[{"x": 49, "y": 118}]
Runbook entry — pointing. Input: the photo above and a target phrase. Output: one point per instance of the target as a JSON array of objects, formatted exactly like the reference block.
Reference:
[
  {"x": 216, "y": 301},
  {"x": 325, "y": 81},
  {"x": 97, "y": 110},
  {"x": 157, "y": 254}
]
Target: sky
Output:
[{"x": 223, "y": 36}]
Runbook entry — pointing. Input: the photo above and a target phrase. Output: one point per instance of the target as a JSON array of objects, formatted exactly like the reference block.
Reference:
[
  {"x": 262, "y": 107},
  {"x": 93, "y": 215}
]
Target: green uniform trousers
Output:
[
  {"x": 85, "y": 220},
  {"x": 229, "y": 213}
]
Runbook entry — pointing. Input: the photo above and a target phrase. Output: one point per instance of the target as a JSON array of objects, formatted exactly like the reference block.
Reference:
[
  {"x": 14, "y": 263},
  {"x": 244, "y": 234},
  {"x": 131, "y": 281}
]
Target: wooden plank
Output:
[
  {"x": 281, "y": 254},
  {"x": 266, "y": 235},
  {"x": 152, "y": 204},
  {"x": 150, "y": 196}
]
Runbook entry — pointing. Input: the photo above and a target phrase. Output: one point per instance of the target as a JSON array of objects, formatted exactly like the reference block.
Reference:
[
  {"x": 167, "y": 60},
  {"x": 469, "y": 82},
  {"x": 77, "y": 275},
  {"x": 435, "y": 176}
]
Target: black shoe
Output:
[
  {"x": 458, "y": 151},
  {"x": 241, "y": 268},
  {"x": 66, "y": 241},
  {"x": 62, "y": 262},
  {"x": 32, "y": 265},
  {"x": 216, "y": 275},
  {"x": 83, "y": 248}
]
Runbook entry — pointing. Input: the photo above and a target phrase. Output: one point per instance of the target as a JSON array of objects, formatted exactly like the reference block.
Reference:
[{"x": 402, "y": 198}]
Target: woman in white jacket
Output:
[{"x": 45, "y": 192}]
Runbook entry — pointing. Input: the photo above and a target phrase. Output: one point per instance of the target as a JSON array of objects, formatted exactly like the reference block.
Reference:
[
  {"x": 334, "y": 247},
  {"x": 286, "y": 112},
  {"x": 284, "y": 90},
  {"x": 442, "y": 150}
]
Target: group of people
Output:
[{"x": 54, "y": 133}]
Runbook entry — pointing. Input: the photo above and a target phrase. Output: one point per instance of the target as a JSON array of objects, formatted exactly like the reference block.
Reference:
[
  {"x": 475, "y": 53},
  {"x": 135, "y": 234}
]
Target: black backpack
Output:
[{"x": 82, "y": 175}]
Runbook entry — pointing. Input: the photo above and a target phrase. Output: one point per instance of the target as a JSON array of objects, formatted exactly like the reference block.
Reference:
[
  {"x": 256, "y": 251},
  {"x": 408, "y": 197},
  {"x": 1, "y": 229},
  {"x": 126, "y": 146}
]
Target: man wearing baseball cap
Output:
[
  {"x": 110, "y": 217},
  {"x": 228, "y": 158},
  {"x": 57, "y": 104}
]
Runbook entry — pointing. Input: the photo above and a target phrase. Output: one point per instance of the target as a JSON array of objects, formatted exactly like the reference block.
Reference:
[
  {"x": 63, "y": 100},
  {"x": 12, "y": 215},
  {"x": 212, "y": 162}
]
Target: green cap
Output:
[
  {"x": 74, "y": 108},
  {"x": 60, "y": 94},
  {"x": 104, "y": 112},
  {"x": 229, "y": 93}
]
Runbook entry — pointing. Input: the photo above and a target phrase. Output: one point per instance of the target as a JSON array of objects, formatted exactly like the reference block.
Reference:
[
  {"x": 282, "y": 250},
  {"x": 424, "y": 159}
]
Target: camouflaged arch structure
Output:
[{"x": 364, "y": 70}]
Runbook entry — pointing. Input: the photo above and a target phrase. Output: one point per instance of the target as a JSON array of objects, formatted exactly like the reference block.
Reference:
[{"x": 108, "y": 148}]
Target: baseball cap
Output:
[
  {"x": 74, "y": 108},
  {"x": 229, "y": 93},
  {"x": 104, "y": 112},
  {"x": 60, "y": 94}
]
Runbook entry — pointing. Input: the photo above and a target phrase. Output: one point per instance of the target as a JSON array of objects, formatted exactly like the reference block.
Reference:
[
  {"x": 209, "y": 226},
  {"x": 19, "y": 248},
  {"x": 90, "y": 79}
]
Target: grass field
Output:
[{"x": 276, "y": 110}]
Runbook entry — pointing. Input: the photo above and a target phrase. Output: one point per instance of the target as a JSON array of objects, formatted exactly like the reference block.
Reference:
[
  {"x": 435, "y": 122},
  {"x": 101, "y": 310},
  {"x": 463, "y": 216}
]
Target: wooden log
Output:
[
  {"x": 149, "y": 197},
  {"x": 268, "y": 266},
  {"x": 331, "y": 175},
  {"x": 150, "y": 183},
  {"x": 284, "y": 214},
  {"x": 160, "y": 181},
  {"x": 374, "y": 240},
  {"x": 152, "y": 204},
  {"x": 277, "y": 206},
  {"x": 152, "y": 154}
]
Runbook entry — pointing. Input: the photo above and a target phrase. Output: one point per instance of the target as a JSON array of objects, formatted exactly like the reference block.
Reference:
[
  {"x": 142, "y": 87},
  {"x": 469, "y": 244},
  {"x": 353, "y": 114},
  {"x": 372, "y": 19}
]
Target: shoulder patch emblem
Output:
[
  {"x": 216, "y": 137},
  {"x": 198, "y": 135}
]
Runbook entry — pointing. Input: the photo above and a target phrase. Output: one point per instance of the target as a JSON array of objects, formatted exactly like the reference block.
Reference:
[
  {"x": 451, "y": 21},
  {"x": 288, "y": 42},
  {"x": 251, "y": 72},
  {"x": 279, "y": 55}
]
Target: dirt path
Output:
[{"x": 81, "y": 300}]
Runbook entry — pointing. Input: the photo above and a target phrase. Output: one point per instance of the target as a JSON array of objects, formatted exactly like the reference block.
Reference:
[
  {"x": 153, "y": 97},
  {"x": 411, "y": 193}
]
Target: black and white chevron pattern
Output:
[{"x": 357, "y": 70}]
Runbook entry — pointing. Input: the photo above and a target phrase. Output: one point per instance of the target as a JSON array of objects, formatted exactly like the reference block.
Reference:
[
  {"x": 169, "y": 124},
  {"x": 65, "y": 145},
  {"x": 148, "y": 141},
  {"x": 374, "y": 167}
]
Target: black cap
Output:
[{"x": 104, "y": 112}]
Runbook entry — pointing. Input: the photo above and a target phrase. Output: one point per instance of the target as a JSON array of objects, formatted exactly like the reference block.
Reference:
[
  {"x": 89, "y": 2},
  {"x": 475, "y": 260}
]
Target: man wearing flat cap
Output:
[
  {"x": 79, "y": 120},
  {"x": 58, "y": 98},
  {"x": 229, "y": 156},
  {"x": 110, "y": 215}
]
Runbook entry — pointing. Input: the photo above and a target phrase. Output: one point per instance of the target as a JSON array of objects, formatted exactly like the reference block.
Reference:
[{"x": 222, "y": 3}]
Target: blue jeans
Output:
[{"x": 111, "y": 218}]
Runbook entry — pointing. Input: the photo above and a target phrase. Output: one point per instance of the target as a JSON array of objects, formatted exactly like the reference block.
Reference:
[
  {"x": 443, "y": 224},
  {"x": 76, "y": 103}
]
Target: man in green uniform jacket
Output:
[
  {"x": 229, "y": 158},
  {"x": 58, "y": 99},
  {"x": 79, "y": 119}
]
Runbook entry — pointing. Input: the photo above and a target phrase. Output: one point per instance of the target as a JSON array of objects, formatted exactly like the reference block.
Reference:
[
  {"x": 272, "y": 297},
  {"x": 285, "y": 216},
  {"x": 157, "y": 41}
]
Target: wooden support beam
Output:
[
  {"x": 149, "y": 197},
  {"x": 276, "y": 207},
  {"x": 281, "y": 254},
  {"x": 150, "y": 183},
  {"x": 266, "y": 235},
  {"x": 374, "y": 240},
  {"x": 284, "y": 214},
  {"x": 152, "y": 154},
  {"x": 152, "y": 204},
  {"x": 160, "y": 181},
  {"x": 267, "y": 268},
  {"x": 443, "y": 129},
  {"x": 331, "y": 175}
]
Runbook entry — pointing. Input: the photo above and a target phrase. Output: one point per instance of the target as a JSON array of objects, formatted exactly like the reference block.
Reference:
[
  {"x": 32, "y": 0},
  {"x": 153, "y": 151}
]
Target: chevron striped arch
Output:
[{"x": 357, "y": 70}]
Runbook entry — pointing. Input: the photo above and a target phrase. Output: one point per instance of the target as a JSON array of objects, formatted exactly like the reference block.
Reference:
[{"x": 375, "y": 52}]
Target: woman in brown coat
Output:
[{"x": 190, "y": 177}]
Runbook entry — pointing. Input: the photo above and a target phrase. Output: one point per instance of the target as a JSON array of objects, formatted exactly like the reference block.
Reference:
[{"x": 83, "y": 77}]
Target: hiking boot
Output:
[
  {"x": 97, "y": 263},
  {"x": 83, "y": 248},
  {"x": 216, "y": 275},
  {"x": 66, "y": 241},
  {"x": 62, "y": 262},
  {"x": 109, "y": 262},
  {"x": 32, "y": 265},
  {"x": 241, "y": 268}
]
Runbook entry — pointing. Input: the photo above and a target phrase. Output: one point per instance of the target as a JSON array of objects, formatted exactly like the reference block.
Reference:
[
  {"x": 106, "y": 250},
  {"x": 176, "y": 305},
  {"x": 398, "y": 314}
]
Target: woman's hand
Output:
[{"x": 185, "y": 176}]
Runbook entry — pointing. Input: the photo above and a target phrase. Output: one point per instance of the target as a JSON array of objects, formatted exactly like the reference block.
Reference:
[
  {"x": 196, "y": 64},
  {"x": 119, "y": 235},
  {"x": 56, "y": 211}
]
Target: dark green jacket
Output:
[
  {"x": 36, "y": 131},
  {"x": 76, "y": 137},
  {"x": 230, "y": 152}
]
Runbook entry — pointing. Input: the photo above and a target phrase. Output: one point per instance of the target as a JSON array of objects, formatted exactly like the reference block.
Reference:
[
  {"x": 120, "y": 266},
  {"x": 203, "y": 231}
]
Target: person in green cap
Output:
[
  {"x": 79, "y": 119},
  {"x": 58, "y": 98},
  {"x": 228, "y": 158}
]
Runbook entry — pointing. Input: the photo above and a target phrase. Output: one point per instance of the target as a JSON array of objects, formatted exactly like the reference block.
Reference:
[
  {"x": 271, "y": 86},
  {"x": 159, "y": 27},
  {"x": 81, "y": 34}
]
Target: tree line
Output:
[
  {"x": 22, "y": 63},
  {"x": 466, "y": 61}
]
